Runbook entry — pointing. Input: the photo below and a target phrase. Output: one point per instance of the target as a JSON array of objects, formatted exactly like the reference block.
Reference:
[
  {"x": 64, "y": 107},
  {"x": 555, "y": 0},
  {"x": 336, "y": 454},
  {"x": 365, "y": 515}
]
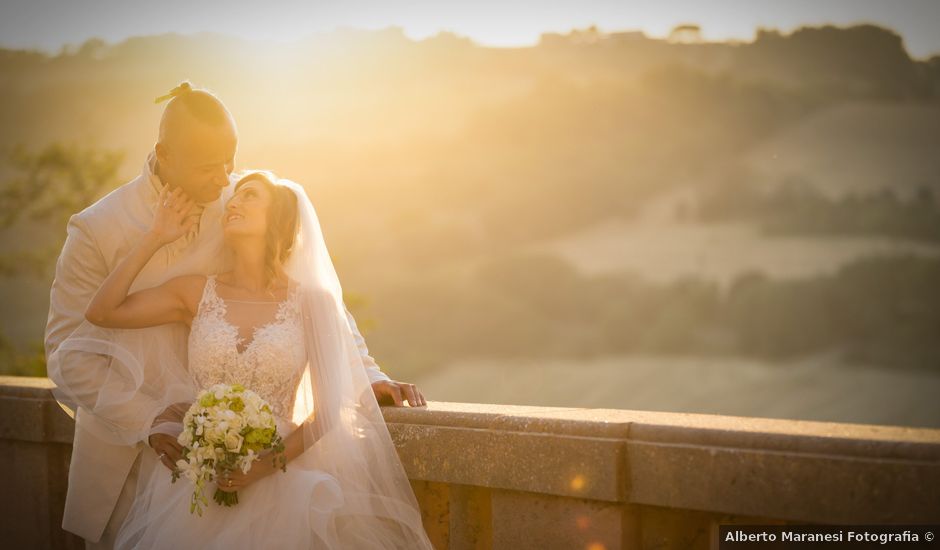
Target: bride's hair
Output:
[{"x": 282, "y": 222}]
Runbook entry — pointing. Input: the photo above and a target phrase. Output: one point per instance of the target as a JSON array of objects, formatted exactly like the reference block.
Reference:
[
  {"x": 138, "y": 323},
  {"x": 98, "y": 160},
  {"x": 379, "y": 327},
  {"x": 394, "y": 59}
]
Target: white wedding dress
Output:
[
  {"x": 347, "y": 489},
  {"x": 259, "y": 345}
]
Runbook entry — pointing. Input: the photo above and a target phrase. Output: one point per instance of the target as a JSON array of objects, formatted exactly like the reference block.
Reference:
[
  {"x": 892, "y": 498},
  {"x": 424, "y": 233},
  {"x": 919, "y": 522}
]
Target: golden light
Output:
[{"x": 577, "y": 483}]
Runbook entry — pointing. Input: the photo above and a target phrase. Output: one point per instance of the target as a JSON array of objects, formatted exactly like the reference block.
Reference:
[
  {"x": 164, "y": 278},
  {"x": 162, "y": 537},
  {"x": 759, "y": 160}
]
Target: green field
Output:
[{"x": 815, "y": 388}]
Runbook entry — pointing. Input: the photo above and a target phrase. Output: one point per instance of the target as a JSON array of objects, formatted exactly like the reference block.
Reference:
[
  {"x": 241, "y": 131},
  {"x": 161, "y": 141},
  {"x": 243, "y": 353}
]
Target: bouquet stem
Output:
[{"x": 225, "y": 499}]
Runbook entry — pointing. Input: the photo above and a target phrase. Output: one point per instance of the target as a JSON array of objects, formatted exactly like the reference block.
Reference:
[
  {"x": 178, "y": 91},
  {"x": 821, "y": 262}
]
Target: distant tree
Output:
[
  {"x": 16, "y": 363},
  {"x": 47, "y": 187},
  {"x": 44, "y": 188},
  {"x": 93, "y": 48},
  {"x": 589, "y": 35},
  {"x": 448, "y": 42},
  {"x": 686, "y": 34},
  {"x": 931, "y": 69},
  {"x": 857, "y": 61}
]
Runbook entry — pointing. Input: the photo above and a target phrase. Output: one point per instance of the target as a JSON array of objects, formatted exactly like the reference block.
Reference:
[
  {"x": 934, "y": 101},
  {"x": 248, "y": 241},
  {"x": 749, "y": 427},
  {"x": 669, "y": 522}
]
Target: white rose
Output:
[
  {"x": 187, "y": 470},
  {"x": 206, "y": 453},
  {"x": 237, "y": 423},
  {"x": 233, "y": 441},
  {"x": 267, "y": 419},
  {"x": 213, "y": 435}
]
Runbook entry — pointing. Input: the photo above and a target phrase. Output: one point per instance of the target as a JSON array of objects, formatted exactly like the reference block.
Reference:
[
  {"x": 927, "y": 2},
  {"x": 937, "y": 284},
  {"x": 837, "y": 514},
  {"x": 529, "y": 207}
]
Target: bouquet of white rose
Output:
[{"x": 225, "y": 430}]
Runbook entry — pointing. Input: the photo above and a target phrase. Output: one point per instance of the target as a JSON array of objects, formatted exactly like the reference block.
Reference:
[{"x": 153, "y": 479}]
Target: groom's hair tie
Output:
[{"x": 184, "y": 88}]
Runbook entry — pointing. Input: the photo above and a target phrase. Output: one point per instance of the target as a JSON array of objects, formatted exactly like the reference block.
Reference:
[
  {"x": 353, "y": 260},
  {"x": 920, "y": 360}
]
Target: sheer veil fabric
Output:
[{"x": 348, "y": 483}]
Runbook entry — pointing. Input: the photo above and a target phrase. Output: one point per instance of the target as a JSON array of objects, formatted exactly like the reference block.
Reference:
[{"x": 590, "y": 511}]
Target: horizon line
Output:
[{"x": 71, "y": 47}]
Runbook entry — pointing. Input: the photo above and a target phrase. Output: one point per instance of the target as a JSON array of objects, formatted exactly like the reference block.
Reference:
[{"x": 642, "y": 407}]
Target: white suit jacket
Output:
[{"x": 98, "y": 238}]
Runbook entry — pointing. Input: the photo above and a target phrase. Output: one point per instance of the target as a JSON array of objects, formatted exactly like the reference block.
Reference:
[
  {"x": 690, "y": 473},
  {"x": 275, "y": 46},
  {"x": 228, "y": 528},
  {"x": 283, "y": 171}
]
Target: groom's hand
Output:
[
  {"x": 388, "y": 392},
  {"x": 167, "y": 448}
]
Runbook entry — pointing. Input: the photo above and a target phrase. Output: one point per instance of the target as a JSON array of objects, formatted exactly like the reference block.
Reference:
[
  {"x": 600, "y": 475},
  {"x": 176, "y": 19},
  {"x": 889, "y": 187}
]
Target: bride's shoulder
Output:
[
  {"x": 189, "y": 288},
  {"x": 189, "y": 281}
]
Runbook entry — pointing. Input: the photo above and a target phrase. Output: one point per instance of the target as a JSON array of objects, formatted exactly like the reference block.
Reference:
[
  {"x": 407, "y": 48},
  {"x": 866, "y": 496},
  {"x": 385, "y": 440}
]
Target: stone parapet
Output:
[{"x": 496, "y": 476}]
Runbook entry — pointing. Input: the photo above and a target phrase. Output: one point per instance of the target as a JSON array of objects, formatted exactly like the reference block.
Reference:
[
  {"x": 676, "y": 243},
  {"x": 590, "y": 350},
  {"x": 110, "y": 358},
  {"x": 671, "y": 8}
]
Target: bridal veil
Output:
[{"x": 126, "y": 378}]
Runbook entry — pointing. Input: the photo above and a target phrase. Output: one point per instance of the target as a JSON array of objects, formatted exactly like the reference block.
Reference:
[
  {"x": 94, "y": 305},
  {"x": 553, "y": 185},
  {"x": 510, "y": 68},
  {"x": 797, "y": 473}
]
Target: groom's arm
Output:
[
  {"x": 372, "y": 368},
  {"x": 79, "y": 272},
  {"x": 392, "y": 391}
]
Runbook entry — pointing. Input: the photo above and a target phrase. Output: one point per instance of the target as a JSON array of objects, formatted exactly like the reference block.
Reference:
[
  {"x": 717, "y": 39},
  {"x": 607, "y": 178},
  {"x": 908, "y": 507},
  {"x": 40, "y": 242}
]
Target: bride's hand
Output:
[
  {"x": 170, "y": 220},
  {"x": 235, "y": 481}
]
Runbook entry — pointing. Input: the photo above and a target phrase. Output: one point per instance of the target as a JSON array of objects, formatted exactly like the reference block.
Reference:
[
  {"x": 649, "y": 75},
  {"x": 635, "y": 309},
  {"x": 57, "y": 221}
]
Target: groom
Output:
[{"x": 195, "y": 151}]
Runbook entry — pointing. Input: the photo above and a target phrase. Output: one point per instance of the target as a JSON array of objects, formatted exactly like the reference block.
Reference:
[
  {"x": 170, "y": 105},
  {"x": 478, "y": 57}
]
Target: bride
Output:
[{"x": 272, "y": 320}]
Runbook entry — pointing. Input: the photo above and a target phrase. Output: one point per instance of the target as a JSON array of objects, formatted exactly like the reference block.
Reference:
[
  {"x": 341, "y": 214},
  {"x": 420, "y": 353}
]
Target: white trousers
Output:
[{"x": 123, "y": 506}]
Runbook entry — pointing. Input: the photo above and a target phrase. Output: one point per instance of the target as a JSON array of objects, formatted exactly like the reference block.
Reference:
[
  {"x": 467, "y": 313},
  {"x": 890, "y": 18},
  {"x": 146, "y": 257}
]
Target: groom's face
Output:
[{"x": 199, "y": 161}]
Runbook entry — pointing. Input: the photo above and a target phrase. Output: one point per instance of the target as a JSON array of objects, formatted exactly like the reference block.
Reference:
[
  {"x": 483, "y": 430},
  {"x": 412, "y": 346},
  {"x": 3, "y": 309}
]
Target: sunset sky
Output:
[{"x": 50, "y": 24}]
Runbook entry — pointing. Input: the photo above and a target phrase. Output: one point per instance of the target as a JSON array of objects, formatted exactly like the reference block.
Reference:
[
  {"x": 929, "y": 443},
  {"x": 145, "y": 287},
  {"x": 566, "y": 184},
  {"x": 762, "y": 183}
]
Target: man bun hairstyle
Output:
[
  {"x": 200, "y": 103},
  {"x": 183, "y": 88}
]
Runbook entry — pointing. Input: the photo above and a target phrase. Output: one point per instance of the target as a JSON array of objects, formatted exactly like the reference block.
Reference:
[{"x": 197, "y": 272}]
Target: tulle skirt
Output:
[
  {"x": 291, "y": 509},
  {"x": 302, "y": 508}
]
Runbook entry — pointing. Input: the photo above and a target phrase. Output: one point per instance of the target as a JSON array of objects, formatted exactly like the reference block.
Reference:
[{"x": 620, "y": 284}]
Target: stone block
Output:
[
  {"x": 671, "y": 529},
  {"x": 471, "y": 518},
  {"x": 590, "y": 468},
  {"x": 537, "y": 521},
  {"x": 434, "y": 501},
  {"x": 779, "y": 484}
]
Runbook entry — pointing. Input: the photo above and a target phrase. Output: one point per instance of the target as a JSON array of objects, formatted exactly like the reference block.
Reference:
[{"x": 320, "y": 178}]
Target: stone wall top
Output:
[{"x": 787, "y": 469}]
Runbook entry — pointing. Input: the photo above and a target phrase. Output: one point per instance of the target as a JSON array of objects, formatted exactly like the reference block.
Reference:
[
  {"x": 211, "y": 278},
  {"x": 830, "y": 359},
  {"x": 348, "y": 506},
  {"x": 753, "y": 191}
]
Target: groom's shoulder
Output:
[{"x": 121, "y": 204}]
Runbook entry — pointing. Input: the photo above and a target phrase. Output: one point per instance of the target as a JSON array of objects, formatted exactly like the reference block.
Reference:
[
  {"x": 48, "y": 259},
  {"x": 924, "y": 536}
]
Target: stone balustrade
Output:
[{"x": 495, "y": 476}]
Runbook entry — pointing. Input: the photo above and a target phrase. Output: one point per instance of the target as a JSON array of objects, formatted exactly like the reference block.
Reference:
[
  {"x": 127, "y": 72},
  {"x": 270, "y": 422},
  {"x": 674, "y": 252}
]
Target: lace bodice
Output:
[{"x": 270, "y": 363}]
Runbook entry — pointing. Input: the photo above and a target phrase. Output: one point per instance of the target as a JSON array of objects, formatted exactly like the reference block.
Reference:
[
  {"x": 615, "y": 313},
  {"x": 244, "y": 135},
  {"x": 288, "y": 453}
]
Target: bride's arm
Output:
[
  {"x": 294, "y": 446},
  {"x": 112, "y": 307}
]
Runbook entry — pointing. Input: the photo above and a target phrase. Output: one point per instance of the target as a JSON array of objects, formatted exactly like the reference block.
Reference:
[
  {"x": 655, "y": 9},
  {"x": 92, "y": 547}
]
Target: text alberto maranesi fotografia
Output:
[{"x": 836, "y": 535}]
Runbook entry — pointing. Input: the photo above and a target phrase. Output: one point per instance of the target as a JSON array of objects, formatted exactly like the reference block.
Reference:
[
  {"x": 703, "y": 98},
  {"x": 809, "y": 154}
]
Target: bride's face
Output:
[{"x": 246, "y": 213}]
